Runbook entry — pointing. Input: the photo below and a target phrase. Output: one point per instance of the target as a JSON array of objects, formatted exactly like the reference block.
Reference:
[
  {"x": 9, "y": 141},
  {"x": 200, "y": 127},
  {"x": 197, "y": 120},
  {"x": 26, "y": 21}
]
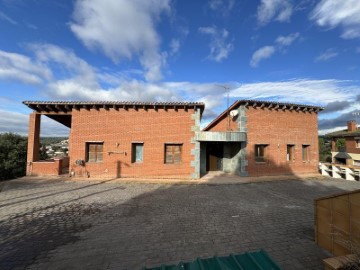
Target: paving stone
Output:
[{"x": 83, "y": 225}]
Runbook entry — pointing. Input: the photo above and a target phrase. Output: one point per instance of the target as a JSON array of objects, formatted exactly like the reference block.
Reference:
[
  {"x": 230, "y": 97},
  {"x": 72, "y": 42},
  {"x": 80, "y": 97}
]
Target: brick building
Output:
[
  {"x": 137, "y": 139},
  {"x": 120, "y": 139},
  {"x": 255, "y": 138},
  {"x": 349, "y": 153}
]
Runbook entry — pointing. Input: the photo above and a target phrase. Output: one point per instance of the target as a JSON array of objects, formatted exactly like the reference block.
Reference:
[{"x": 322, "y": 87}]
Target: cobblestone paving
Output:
[{"x": 103, "y": 225}]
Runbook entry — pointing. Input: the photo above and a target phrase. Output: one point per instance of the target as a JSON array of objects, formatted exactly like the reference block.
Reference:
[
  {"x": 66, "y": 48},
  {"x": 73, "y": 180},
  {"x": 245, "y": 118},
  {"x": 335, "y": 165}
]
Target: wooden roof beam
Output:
[
  {"x": 42, "y": 108},
  {"x": 277, "y": 106},
  {"x": 51, "y": 108},
  {"x": 298, "y": 108},
  {"x": 262, "y": 105},
  {"x": 60, "y": 108},
  {"x": 284, "y": 107},
  {"x": 305, "y": 109}
]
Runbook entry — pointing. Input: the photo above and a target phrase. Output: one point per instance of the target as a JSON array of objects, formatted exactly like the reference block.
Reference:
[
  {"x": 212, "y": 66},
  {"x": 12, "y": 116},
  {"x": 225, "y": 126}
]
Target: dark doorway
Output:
[{"x": 214, "y": 156}]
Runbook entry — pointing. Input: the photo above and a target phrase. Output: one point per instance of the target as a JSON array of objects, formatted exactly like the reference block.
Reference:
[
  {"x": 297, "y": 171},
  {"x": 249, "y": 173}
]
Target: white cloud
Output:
[
  {"x": 336, "y": 13},
  {"x": 220, "y": 48},
  {"x": 287, "y": 40},
  {"x": 5, "y": 17},
  {"x": 123, "y": 29},
  {"x": 328, "y": 54},
  {"x": 261, "y": 54},
  {"x": 267, "y": 51},
  {"x": 81, "y": 81},
  {"x": 15, "y": 66},
  {"x": 224, "y": 6},
  {"x": 19, "y": 123},
  {"x": 174, "y": 46},
  {"x": 279, "y": 10},
  {"x": 299, "y": 91}
]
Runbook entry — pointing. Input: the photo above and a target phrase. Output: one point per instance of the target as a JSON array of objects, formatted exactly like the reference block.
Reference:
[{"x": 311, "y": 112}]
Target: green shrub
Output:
[{"x": 12, "y": 156}]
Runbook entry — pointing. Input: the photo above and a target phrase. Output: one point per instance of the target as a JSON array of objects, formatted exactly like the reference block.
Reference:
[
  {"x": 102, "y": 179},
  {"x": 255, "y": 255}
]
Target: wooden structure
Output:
[{"x": 337, "y": 223}]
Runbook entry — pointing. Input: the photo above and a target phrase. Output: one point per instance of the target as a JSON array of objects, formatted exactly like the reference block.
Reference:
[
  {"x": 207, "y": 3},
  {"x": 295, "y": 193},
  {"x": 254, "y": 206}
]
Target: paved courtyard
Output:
[{"x": 105, "y": 225}]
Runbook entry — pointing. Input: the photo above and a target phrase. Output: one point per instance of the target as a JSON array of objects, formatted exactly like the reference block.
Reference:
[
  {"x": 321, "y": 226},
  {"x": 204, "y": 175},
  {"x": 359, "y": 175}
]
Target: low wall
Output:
[
  {"x": 52, "y": 167},
  {"x": 337, "y": 223}
]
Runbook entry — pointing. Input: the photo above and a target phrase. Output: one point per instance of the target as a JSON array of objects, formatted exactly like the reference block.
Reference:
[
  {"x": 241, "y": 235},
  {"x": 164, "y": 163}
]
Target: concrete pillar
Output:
[
  {"x": 33, "y": 140},
  {"x": 202, "y": 158}
]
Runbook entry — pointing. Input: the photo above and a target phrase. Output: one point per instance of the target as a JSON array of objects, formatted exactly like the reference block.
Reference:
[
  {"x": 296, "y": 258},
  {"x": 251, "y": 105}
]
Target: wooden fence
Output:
[{"x": 337, "y": 223}]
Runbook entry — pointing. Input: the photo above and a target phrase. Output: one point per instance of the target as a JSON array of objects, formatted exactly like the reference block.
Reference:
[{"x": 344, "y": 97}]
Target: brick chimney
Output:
[{"x": 351, "y": 125}]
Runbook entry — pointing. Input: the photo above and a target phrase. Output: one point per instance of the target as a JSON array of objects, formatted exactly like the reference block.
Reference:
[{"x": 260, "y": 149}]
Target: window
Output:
[
  {"x": 260, "y": 152},
  {"x": 173, "y": 153},
  {"x": 290, "y": 152},
  {"x": 306, "y": 152},
  {"x": 94, "y": 151},
  {"x": 357, "y": 143},
  {"x": 137, "y": 152}
]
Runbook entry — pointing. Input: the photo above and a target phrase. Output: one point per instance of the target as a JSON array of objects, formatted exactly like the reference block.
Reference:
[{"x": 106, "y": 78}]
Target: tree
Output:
[
  {"x": 324, "y": 151},
  {"x": 12, "y": 155},
  {"x": 340, "y": 143}
]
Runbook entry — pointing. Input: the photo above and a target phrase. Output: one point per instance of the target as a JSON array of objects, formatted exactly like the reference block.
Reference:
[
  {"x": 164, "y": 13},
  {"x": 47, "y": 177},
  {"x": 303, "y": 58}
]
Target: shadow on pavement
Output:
[{"x": 109, "y": 227}]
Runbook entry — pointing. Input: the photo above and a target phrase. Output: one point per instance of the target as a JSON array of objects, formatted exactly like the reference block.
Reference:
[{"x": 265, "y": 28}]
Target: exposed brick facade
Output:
[
  {"x": 118, "y": 129},
  {"x": 277, "y": 128},
  {"x": 117, "y": 126},
  {"x": 48, "y": 167}
]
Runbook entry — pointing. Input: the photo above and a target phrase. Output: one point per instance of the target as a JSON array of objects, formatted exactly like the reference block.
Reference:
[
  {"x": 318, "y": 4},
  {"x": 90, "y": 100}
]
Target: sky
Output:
[{"x": 299, "y": 51}]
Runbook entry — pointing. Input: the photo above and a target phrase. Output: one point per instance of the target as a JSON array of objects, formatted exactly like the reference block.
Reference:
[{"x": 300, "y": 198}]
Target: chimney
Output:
[{"x": 351, "y": 125}]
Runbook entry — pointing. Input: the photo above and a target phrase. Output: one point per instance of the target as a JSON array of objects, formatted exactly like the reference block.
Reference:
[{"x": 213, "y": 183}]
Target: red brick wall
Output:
[
  {"x": 277, "y": 128},
  {"x": 222, "y": 124},
  {"x": 351, "y": 146},
  {"x": 39, "y": 168},
  {"x": 118, "y": 129}
]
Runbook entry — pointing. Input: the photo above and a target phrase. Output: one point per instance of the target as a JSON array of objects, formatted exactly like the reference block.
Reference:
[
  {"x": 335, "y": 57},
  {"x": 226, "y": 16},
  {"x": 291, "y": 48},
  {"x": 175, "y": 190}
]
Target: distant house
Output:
[
  {"x": 348, "y": 154},
  {"x": 163, "y": 139}
]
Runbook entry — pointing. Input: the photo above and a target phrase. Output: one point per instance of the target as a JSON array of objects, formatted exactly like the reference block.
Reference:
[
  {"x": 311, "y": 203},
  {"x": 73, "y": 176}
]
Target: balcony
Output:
[{"x": 209, "y": 136}]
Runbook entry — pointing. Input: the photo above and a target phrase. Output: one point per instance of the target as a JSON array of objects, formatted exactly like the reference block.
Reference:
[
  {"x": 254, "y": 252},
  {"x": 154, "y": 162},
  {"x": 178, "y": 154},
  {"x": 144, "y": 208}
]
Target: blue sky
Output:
[{"x": 170, "y": 50}]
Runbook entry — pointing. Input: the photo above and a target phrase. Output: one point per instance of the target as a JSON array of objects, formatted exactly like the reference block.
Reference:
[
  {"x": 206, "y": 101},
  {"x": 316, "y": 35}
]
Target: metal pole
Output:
[
  {"x": 227, "y": 89},
  {"x": 356, "y": 114}
]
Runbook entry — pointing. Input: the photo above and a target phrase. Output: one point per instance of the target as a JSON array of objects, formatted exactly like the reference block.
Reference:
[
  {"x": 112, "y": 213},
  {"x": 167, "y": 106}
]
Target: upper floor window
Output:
[{"x": 94, "y": 151}]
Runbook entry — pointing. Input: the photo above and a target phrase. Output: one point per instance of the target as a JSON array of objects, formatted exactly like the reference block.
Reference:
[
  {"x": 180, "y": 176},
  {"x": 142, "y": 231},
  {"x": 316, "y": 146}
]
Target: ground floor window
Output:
[
  {"x": 260, "y": 152},
  {"x": 306, "y": 152},
  {"x": 173, "y": 153},
  {"x": 357, "y": 143},
  {"x": 137, "y": 152},
  {"x": 290, "y": 152},
  {"x": 94, "y": 151}
]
